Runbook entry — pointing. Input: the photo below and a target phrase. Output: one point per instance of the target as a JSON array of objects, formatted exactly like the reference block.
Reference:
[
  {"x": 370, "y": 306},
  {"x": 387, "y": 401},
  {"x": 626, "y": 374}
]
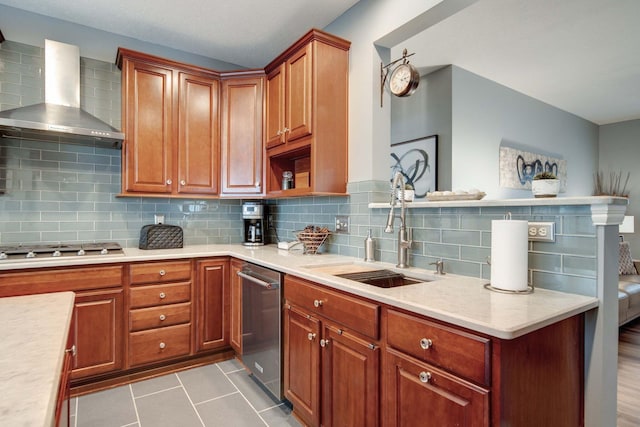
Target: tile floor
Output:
[{"x": 220, "y": 394}]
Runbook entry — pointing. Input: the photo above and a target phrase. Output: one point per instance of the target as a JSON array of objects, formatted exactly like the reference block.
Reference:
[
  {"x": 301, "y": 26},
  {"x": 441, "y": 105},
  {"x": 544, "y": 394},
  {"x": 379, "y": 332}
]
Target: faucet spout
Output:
[{"x": 404, "y": 234}]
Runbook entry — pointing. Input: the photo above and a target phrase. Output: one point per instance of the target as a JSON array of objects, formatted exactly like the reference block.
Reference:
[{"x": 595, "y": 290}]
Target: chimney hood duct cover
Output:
[{"x": 60, "y": 116}]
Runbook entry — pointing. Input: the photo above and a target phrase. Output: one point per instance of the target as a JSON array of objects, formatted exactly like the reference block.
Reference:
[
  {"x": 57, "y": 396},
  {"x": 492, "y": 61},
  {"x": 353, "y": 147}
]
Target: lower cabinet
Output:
[
  {"x": 213, "y": 304},
  {"x": 99, "y": 332},
  {"x": 417, "y": 393},
  {"x": 331, "y": 370}
]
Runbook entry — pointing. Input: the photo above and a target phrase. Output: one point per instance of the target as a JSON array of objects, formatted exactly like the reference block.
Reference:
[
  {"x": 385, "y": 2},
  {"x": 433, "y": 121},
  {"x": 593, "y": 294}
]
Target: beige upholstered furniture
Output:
[{"x": 628, "y": 286}]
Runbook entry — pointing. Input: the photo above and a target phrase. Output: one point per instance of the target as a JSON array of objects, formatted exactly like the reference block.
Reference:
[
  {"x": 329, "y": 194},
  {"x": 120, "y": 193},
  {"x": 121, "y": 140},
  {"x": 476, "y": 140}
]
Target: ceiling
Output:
[
  {"x": 582, "y": 56},
  {"x": 249, "y": 33}
]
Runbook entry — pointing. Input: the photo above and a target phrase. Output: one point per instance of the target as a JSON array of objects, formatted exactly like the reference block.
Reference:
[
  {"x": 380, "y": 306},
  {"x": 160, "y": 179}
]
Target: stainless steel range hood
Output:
[{"x": 59, "y": 118}]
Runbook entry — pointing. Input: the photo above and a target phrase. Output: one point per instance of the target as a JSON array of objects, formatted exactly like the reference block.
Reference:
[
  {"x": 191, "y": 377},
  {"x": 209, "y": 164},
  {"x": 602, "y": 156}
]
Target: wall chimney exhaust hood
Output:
[{"x": 59, "y": 118}]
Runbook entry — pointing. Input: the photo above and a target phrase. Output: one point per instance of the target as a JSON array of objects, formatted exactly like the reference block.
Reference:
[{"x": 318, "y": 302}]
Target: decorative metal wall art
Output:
[
  {"x": 416, "y": 159},
  {"x": 518, "y": 167}
]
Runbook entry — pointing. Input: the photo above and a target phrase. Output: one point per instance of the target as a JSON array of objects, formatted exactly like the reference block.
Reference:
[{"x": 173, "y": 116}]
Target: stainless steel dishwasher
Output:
[{"x": 261, "y": 322}]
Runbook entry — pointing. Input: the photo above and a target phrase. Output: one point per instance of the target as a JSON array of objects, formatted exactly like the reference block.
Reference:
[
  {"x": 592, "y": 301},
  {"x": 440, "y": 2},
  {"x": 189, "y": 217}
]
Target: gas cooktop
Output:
[{"x": 37, "y": 251}]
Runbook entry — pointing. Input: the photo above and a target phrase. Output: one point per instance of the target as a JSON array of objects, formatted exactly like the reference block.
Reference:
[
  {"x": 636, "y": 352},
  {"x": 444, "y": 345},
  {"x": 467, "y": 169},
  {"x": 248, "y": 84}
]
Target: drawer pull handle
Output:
[
  {"x": 425, "y": 376},
  {"x": 317, "y": 303},
  {"x": 72, "y": 350},
  {"x": 162, "y": 345},
  {"x": 163, "y": 295},
  {"x": 426, "y": 343},
  {"x": 162, "y": 317},
  {"x": 324, "y": 343},
  {"x": 311, "y": 336},
  {"x": 162, "y": 272}
]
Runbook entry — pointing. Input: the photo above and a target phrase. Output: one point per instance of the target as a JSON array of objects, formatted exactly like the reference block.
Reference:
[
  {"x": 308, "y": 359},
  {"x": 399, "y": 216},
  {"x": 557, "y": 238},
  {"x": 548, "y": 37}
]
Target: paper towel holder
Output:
[{"x": 529, "y": 290}]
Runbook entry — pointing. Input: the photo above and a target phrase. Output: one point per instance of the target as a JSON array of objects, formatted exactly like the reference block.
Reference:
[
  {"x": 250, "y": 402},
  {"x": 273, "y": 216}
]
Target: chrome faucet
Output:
[
  {"x": 439, "y": 266},
  {"x": 404, "y": 234}
]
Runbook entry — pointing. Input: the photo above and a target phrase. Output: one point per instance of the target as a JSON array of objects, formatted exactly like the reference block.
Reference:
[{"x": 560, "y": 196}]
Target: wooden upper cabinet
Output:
[
  {"x": 171, "y": 121},
  {"x": 306, "y": 117},
  {"x": 242, "y": 134},
  {"x": 198, "y": 140},
  {"x": 147, "y": 102},
  {"x": 298, "y": 105},
  {"x": 274, "y": 114}
]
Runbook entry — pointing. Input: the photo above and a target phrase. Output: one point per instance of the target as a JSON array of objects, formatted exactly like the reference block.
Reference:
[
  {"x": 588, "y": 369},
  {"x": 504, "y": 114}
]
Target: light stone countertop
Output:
[
  {"x": 459, "y": 300},
  {"x": 34, "y": 339}
]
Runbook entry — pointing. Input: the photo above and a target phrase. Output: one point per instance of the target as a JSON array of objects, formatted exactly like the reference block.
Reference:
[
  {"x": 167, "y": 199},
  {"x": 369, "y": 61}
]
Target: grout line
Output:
[
  {"x": 135, "y": 407},
  {"x": 190, "y": 401},
  {"x": 132, "y": 424},
  {"x": 216, "y": 398},
  {"x": 271, "y": 407},
  {"x": 156, "y": 392},
  {"x": 243, "y": 396}
]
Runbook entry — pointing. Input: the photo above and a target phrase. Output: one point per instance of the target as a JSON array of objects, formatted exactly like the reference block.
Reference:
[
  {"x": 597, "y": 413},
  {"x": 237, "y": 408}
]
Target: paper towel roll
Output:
[{"x": 509, "y": 255}]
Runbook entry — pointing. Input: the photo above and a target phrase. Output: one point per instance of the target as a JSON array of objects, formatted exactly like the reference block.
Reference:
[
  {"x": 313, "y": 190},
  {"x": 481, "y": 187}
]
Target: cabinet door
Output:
[
  {"x": 99, "y": 332},
  {"x": 416, "y": 393},
  {"x": 349, "y": 380},
  {"x": 298, "y": 104},
  {"x": 274, "y": 122},
  {"x": 148, "y": 126},
  {"x": 213, "y": 305},
  {"x": 302, "y": 364},
  {"x": 198, "y": 135},
  {"x": 63, "y": 407},
  {"x": 236, "y": 307},
  {"x": 242, "y": 100}
]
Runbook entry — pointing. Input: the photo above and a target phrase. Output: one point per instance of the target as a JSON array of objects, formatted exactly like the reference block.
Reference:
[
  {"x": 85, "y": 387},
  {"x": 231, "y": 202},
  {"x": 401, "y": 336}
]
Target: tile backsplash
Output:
[{"x": 54, "y": 191}]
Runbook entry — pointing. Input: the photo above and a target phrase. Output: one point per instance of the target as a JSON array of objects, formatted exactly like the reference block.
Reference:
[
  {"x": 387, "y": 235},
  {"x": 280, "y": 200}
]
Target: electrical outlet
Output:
[
  {"x": 342, "y": 224},
  {"x": 542, "y": 231},
  {"x": 270, "y": 222},
  {"x": 158, "y": 219}
]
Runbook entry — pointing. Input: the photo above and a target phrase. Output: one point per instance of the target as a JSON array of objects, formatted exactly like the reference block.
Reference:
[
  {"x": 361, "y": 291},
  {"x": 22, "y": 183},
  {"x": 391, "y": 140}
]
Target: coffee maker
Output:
[{"x": 254, "y": 218}]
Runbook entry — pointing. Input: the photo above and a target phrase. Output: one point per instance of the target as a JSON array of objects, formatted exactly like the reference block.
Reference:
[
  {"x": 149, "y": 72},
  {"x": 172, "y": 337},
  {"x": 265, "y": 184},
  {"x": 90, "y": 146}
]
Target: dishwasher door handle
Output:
[{"x": 257, "y": 281}]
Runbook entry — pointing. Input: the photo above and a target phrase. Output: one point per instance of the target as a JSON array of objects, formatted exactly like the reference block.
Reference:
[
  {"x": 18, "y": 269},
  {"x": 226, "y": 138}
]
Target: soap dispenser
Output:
[{"x": 369, "y": 248}]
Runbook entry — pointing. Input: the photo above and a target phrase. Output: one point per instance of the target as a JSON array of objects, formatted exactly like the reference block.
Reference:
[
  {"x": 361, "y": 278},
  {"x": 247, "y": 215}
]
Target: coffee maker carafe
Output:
[{"x": 254, "y": 216}]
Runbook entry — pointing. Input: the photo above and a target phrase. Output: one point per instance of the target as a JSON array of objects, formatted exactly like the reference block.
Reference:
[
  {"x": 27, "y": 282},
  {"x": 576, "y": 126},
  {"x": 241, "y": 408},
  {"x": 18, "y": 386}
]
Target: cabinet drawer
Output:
[
  {"x": 171, "y": 293},
  {"x": 351, "y": 312},
  {"x": 159, "y": 344},
  {"x": 154, "y": 272},
  {"x": 460, "y": 352},
  {"x": 60, "y": 279},
  {"x": 158, "y": 317}
]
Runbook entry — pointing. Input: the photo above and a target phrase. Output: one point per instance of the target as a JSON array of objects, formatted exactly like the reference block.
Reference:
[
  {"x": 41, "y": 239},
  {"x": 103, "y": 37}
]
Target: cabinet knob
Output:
[
  {"x": 183, "y": 182},
  {"x": 285, "y": 130},
  {"x": 425, "y": 376},
  {"x": 162, "y": 295},
  {"x": 279, "y": 132},
  {"x": 426, "y": 343},
  {"x": 317, "y": 303},
  {"x": 162, "y": 345},
  {"x": 324, "y": 343},
  {"x": 311, "y": 336},
  {"x": 162, "y": 272},
  {"x": 169, "y": 182},
  {"x": 162, "y": 317},
  {"x": 72, "y": 350}
]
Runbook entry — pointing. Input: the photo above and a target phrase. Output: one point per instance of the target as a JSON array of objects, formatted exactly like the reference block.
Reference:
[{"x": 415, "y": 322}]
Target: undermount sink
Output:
[
  {"x": 381, "y": 278},
  {"x": 372, "y": 274}
]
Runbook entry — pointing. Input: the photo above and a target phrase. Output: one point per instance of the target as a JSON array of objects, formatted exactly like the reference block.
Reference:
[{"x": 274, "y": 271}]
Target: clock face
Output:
[{"x": 404, "y": 80}]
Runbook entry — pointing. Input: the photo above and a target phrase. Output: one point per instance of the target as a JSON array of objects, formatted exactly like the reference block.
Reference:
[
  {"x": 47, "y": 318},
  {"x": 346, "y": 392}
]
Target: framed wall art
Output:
[{"x": 417, "y": 160}]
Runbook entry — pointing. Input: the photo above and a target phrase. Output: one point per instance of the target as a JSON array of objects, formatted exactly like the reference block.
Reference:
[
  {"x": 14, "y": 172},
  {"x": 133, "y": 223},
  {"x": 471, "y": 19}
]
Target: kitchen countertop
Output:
[
  {"x": 459, "y": 300},
  {"x": 34, "y": 339}
]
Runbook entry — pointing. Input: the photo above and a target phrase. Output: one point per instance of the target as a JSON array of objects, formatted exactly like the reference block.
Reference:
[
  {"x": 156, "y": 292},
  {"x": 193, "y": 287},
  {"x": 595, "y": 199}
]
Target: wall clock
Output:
[{"x": 404, "y": 80}]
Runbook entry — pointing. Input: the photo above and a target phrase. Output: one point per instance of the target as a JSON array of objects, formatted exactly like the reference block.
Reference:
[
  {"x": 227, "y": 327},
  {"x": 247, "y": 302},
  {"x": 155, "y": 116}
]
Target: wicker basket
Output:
[{"x": 311, "y": 240}]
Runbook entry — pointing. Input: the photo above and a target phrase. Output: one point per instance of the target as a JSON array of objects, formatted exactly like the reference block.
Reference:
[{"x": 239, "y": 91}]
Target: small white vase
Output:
[
  {"x": 545, "y": 187},
  {"x": 408, "y": 195}
]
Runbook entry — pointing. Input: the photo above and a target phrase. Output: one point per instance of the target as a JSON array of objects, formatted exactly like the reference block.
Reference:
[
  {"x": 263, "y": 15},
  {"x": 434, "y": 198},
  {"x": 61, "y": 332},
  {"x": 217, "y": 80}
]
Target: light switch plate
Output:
[
  {"x": 342, "y": 224},
  {"x": 542, "y": 231}
]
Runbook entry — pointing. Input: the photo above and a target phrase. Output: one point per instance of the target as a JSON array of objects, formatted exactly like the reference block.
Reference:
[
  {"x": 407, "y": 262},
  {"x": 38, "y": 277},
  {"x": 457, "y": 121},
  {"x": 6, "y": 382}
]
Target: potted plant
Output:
[{"x": 545, "y": 184}]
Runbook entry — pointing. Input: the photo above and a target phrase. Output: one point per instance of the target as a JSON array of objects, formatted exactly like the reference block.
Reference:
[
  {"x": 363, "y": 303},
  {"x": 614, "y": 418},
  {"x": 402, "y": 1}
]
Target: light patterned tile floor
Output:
[{"x": 221, "y": 394}]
